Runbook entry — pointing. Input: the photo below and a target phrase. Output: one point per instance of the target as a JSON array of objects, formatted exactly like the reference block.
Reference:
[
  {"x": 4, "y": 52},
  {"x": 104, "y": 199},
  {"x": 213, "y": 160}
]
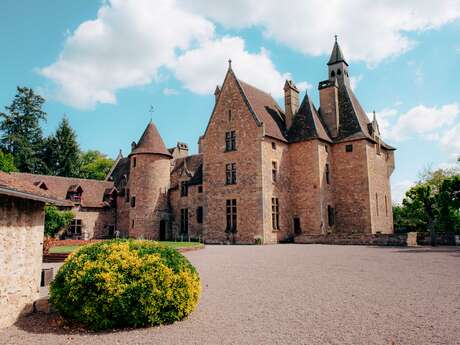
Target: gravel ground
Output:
[{"x": 299, "y": 294}]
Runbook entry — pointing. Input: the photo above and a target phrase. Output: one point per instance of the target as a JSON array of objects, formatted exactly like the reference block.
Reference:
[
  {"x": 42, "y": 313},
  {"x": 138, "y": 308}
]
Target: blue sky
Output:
[{"x": 104, "y": 63}]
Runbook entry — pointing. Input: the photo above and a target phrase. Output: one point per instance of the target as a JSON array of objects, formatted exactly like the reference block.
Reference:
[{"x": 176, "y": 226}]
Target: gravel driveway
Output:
[{"x": 300, "y": 294}]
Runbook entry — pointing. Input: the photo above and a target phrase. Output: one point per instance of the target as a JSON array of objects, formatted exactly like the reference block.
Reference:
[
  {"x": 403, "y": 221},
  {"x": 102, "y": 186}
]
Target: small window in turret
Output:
[
  {"x": 349, "y": 148},
  {"x": 339, "y": 72},
  {"x": 332, "y": 74},
  {"x": 134, "y": 162}
]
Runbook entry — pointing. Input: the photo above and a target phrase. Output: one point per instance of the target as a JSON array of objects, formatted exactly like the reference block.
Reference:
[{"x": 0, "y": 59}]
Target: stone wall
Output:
[
  {"x": 21, "y": 241},
  {"x": 351, "y": 187},
  {"x": 148, "y": 182},
  {"x": 276, "y": 151},
  {"x": 248, "y": 189},
  {"x": 380, "y": 167},
  {"x": 95, "y": 221}
]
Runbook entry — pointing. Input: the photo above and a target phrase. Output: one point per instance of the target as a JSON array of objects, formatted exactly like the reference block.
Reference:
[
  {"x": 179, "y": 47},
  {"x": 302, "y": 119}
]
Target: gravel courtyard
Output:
[{"x": 300, "y": 294}]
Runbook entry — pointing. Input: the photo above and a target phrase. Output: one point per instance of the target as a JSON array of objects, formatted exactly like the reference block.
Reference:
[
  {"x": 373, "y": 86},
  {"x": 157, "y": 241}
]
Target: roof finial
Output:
[
  {"x": 335, "y": 36},
  {"x": 229, "y": 63},
  {"x": 375, "y": 117}
]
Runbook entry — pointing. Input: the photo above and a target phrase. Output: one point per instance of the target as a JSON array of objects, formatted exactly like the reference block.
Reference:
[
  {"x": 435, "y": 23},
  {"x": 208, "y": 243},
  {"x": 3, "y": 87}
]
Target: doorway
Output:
[{"x": 162, "y": 230}]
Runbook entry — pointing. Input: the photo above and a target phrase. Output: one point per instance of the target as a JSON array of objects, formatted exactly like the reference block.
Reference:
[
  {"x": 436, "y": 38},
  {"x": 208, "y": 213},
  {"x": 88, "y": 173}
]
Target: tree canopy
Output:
[
  {"x": 95, "y": 165},
  {"x": 7, "y": 162}
]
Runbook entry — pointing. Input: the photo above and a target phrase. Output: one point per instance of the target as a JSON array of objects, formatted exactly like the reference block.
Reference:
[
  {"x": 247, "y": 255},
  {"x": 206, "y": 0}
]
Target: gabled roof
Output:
[
  {"x": 120, "y": 171},
  {"x": 14, "y": 186},
  {"x": 151, "y": 142},
  {"x": 93, "y": 190},
  {"x": 336, "y": 55},
  {"x": 193, "y": 164},
  {"x": 307, "y": 124},
  {"x": 266, "y": 110}
]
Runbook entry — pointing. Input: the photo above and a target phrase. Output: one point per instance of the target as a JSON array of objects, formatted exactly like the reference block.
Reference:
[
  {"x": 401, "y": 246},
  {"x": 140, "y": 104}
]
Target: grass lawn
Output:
[{"x": 70, "y": 249}]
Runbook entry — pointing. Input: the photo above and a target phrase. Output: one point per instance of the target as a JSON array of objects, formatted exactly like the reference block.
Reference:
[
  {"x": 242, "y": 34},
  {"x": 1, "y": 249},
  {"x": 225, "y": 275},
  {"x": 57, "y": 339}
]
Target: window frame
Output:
[
  {"x": 349, "y": 148},
  {"x": 184, "y": 188},
  {"x": 274, "y": 171},
  {"x": 230, "y": 173},
  {"x": 275, "y": 213},
  {"x": 231, "y": 211},
  {"x": 330, "y": 215},
  {"x": 199, "y": 214},
  {"x": 230, "y": 141},
  {"x": 184, "y": 221}
]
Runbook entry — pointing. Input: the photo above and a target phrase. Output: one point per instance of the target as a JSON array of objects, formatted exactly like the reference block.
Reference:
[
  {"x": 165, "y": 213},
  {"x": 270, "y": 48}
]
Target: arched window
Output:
[
  {"x": 339, "y": 72},
  {"x": 332, "y": 74}
]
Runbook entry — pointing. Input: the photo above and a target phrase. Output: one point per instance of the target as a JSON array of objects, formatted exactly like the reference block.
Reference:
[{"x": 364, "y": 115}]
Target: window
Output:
[
  {"x": 134, "y": 162},
  {"x": 200, "y": 189},
  {"x": 330, "y": 215},
  {"x": 297, "y": 229},
  {"x": 183, "y": 188},
  {"x": 230, "y": 141},
  {"x": 132, "y": 224},
  {"x": 275, "y": 214},
  {"x": 327, "y": 174},
  {"x": 230, "y": 173},
  {"x": 386, "y": 206},
  {"x": 229, "y": 115},
  {"x": 377, "y": 203},
  {"x": 273, "y": 145},
  {"x": 184, "y": 221},
  {"x": 332, "y": 74},
  {"x": 199, "y": 215},
  {"x": 127, "y": 195},
  {"x": 133, "y": 201},
  {"x": 326, "y": 148},
  {"x": 349, "y": 148},
  {"x": 231, "y": 216},
  {"x": 75, "y": 227},
  {"x": 274, "y": 171},
  {"x": 339, "y": 72}
]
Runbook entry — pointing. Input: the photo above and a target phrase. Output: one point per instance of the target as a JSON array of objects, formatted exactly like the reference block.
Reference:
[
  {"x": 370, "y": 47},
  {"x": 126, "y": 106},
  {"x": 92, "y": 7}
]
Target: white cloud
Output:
[
  {"x": 420, "y": 120},
  {"x": 369, "y": 31},
  {"x": 399, "y": 189},
  {"x": 354, "y": 80},
  {"x": 123, "y": 47},
  {"x": 170, "y": 92},
  {"x": 304, "y": 86},
  {"x": 451, "y": 140},
  {"x": 204, "y": 67}
]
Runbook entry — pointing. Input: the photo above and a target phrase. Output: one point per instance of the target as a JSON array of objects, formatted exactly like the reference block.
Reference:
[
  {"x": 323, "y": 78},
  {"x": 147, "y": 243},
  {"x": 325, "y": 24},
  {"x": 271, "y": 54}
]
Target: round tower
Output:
[{"x": 149, "y": 180}]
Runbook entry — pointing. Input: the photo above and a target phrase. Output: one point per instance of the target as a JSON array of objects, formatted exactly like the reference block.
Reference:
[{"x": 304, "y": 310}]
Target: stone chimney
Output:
[
  {"x": 329, "y": 105},
  {"x": 291, "y": 101}
]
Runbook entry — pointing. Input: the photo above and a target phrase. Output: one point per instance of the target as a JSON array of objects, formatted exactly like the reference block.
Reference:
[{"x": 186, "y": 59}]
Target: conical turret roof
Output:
[
  {"x": 151, "y": 142},
  {"x": 336, "y": 55}
]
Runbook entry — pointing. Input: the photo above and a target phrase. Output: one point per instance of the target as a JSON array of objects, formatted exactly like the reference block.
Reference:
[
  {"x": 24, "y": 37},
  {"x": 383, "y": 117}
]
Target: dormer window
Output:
[
  {"x": 332, "y": 74},
  {"x": 339, "y": 72},
  {"x": 74, "y": 193},
  {"x": 41, "y": 185}
]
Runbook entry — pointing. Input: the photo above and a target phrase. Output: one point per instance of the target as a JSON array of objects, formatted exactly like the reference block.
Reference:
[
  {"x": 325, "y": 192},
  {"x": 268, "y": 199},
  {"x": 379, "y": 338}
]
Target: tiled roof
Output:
[
  {"x": 93, "y": 190},
  {"x": 306, "y": 124},
  {"x": 151, "y": 142},
  {"x": 267, "y": 111},
  {"x": 23, "y": 188}
]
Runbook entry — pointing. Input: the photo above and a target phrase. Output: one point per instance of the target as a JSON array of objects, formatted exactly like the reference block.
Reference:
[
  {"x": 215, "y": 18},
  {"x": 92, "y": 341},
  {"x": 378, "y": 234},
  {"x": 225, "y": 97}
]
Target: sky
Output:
[{"x": 103, "y": 64}]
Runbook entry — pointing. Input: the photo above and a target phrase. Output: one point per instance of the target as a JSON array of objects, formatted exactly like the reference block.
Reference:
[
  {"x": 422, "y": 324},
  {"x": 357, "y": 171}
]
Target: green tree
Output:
[
  {"x": 7, "y": 162},
  {"x": 21, "y": 134},
  {"x": 56, "y": 220},
  {"x": 62, "y": 153},
  {"x": 95, "y": 165}
]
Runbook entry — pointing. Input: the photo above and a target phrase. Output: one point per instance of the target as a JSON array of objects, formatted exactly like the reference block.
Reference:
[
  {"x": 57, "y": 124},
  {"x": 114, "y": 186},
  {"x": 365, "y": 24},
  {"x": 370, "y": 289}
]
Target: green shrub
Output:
[
  {"x": 56, "y": 220},
  {"x": 125, "y": 283}
]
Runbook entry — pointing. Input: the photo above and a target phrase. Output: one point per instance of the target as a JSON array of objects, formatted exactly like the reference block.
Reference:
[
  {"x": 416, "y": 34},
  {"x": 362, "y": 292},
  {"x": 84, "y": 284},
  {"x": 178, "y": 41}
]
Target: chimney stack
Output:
[{"x": 291, "y": 101}]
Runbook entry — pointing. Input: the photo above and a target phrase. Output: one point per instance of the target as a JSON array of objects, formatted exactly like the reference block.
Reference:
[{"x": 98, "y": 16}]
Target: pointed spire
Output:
[
  {"x": 229, "y": 63},
  {"x": 336, "y": 55},
  {"x": 150, "y": 142},
  {"x": 217, "y": 90}
]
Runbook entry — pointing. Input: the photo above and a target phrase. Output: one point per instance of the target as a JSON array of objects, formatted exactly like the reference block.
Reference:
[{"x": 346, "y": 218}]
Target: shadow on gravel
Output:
[
  {"x": 455, "y": 251},
  {"x": 41, "y": 323}
]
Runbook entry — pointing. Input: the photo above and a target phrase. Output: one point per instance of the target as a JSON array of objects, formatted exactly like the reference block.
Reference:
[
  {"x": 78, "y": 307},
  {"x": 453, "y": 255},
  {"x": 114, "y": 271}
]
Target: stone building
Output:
[
  {"x": 21, "y": 241},
  {"x": 263, "y": 174}
]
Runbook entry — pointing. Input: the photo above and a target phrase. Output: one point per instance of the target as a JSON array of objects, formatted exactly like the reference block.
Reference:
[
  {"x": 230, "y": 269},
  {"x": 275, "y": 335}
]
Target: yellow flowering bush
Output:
[{"x": 125, "y": 283}]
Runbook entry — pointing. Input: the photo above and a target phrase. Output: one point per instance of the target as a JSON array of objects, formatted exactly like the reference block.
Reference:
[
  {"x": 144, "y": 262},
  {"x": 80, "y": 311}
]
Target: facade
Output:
[
  {"x": 21, "y": 242},
  {"x": 263, "y": 174}
]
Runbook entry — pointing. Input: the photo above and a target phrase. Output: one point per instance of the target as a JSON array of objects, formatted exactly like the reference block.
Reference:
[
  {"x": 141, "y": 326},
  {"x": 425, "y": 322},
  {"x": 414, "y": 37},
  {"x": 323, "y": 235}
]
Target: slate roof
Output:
[
  {"x": 16, "y": 186},
  {"x": 336, "y": 55},
  {"x": 266, "y": 110},
  {"x": 121, "y": 169},
  {"x": 93, "y": 190},
  {"x": 306, "y": 124},
  {"x": 193, "y": 164},
  {"x": 151, "y": 142}
]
